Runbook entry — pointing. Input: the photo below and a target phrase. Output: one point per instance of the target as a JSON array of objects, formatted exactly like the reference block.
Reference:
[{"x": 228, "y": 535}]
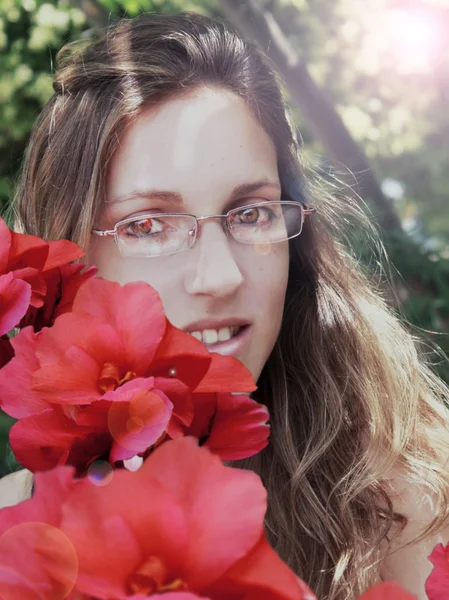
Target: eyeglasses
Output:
[{"x": 160, "y": 234}]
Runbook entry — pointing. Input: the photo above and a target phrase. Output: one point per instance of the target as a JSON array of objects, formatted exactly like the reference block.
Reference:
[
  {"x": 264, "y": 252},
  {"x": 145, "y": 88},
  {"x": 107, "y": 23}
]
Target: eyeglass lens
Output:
[{"x": 162, "y": 234}]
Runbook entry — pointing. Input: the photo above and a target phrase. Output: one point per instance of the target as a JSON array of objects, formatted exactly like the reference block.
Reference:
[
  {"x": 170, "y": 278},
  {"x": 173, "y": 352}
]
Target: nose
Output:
[{"x": 215, "y": 273}]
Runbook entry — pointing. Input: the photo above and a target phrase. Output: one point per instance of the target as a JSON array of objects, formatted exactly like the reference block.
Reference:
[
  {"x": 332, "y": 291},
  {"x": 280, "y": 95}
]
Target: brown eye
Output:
[
  {"x": 145, "y": 227},
  {"x": 248, "y": 215},
  {"x": 141, "y": 227}
]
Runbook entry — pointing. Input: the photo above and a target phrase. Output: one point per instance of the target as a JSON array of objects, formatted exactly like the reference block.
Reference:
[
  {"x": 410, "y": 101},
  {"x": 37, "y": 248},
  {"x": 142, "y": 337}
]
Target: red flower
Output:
[
  {"x": 6, "y": 350},
  {"x": 62, "y": 284},
  {"x": 36, "y": 281},
  {"x": 113, "y": 378},
  {"x": 229, "y": 425},
  {"x": 15, "y": 296},
  {"x": 29, "y": 533},
  {"x": 389, "y": 590},
  {"x": 183, "y": 526},
  {"x": 437, "y": 584}
]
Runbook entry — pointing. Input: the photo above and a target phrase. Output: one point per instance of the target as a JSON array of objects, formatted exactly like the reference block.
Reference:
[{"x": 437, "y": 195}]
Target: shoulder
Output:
[
  {"x": 15, "y": 487},
  {"x": 407, "y": 560}
]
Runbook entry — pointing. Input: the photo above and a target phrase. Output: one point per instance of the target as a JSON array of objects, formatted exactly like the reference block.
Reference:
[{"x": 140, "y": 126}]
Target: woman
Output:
[{"x": 170, "y": 115}]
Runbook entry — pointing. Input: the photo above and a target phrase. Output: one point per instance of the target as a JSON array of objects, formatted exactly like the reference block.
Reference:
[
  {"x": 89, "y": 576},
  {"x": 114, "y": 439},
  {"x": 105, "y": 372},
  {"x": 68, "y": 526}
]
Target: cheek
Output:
[
  {"x": 114, "y": 267},
  {"x": 273, "y": 261},
  {"x": 266, "y": 279}
]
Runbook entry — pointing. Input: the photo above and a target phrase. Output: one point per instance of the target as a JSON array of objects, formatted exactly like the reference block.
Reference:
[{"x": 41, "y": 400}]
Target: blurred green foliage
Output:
[
  {"x": 396, "y": 110},
  {"x": 31, "y": 32}
]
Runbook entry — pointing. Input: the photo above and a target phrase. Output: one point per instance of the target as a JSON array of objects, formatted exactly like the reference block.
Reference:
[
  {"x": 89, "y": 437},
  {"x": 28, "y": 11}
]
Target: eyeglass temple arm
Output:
[
  {"x": 308, "y": 211},
  {"x": 102, "y": 233}
]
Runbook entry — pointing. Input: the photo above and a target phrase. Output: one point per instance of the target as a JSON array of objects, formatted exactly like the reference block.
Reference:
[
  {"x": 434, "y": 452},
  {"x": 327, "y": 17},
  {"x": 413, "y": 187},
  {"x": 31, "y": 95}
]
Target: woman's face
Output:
[{"x": 190, "y": 155}]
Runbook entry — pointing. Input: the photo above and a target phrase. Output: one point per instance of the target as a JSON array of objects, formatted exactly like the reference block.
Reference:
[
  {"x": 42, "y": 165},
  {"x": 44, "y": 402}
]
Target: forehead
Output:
[{"x": 203, "y": 141}]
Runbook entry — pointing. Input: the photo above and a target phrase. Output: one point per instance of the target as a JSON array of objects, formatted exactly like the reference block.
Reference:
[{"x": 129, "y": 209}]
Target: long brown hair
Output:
[{"x": 350, "y": 398}]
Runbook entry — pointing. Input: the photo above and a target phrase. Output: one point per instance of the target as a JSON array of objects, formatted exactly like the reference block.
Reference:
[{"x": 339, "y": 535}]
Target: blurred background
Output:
[{"x": 368, "y": 87}]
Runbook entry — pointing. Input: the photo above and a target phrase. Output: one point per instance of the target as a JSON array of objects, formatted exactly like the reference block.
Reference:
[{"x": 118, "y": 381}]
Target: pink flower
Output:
[
  {"x": 113, "y": 378},
  {"x": 6, "y": 350},
  {"x": 15, "y": 296},
  {"x": 27, "y": 265},
  {"x": 184, "y": 526},
  {"x": 62, "y": 284}
]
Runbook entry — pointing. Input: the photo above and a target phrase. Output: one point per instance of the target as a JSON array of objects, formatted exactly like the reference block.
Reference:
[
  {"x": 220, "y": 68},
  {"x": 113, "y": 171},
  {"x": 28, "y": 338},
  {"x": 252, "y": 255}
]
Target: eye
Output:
[
  {"x": 248, "y": 215},
  {"x": 144, "y": 227},
  {"x": 253, "y": 215}
]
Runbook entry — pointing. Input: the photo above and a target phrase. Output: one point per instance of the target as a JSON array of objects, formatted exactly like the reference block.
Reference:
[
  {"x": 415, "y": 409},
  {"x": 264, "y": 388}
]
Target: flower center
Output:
[
  {"x": 110, "y": 378},
  {"x": 153, "y": 578}
]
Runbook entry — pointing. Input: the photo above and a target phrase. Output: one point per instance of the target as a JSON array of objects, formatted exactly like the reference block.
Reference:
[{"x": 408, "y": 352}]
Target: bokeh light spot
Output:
[
  {"x": 134, "y": 423},
  {"x": 263, "y": 249},
  {"x": 100, "y": 473},
  {"x": 37, "y": 562}
]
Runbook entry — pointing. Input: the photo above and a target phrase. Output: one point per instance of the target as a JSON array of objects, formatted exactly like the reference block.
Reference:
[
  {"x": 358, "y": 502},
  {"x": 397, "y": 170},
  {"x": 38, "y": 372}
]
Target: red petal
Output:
[
  {"x": 31, "y": 542},
  {"x": 27, "y": 251},
  {"x": 138, "y": 416},
  {"x": 16, "y": 396},
  {"x": 71, "y": 280},
  {"x": 43, "y": 441},
  {"x": 169, "y": 596},
  {"x": 150, "y": 512},
  {"x": 205, "y": 406},
  {"x": 40, "y": 316},
  {"x": 437, "y": 584},
  {"x": 226, "y": 374},
  {"x": 15, "y": 296},
  {"x": 389, "y": 590},
  {"x": 32, "y": 550},
  {"x": 51, "y": 490},
  {"x": 62, "y": 284},
  {"x": 179, "y": 395},
  {"x": 103, "y": 569},
  {"x": 38, "y": 286},
  {"x": 224, "y": 507},
  {"x": 15, "y": 585},
  {"x": 6, "y": 352},
  {"x": 260, "y": 574},
  {"x": 100, "y": 341},
  {"x": 239, "y": 427},
  {"x": 72, "y": 380},
  {"x": 134, "y": 310},
  {"x": 182, "y": 352},
  {"x": 61, "y": 252},
  {"x": 5, "y": 244}
]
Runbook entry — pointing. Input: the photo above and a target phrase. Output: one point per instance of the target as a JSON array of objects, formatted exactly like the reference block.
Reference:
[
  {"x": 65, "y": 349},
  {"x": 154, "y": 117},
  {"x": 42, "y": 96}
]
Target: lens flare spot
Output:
[
  {"x": 263, "y": 249},
  {"x": 100, "y": 473},
  {"x": 415, "y": 38},
  {"x": 134, "y": 424},
  {"x": 22, "y": 548},
  {"x": 137, "y": 424}
]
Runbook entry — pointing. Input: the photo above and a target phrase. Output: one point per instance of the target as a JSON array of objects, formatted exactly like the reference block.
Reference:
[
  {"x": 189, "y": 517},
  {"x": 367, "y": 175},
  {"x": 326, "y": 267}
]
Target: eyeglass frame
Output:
[{"x": 194, "y": 232}]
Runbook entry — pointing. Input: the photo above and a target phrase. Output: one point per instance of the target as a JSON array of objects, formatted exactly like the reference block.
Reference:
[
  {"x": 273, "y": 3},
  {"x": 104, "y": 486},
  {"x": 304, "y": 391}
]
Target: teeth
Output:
[
  {"x": 224, "y": 334},
  {"x": 212, "y": 336}
]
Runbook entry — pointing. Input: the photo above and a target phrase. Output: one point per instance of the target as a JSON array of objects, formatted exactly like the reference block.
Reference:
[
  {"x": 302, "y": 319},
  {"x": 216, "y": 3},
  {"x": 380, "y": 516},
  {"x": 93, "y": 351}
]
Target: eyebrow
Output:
[{"x": 175, "y": 199}]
